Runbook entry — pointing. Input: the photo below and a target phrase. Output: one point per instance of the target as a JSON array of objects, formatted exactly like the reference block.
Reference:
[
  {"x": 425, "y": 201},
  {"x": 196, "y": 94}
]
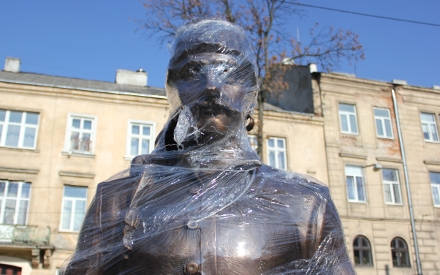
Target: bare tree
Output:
[{"x": 264, "y": 21}]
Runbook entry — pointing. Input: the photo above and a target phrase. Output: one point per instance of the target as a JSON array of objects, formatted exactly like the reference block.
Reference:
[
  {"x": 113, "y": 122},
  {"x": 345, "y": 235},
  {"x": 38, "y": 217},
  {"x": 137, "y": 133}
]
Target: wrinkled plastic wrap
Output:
[{"x": 202, "y": 202}]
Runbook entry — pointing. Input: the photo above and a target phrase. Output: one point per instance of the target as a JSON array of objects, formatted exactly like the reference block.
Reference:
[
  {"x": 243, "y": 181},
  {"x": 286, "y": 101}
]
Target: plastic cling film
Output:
[{"x": 202, "y": 202}]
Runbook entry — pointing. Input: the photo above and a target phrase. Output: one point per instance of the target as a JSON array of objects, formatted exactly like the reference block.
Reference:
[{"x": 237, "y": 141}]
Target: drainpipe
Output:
[{"x": 408, "y": 191}]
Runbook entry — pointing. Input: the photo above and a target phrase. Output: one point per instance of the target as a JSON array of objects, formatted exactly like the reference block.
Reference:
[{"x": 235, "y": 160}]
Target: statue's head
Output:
[{"x": 212, "y": 74}]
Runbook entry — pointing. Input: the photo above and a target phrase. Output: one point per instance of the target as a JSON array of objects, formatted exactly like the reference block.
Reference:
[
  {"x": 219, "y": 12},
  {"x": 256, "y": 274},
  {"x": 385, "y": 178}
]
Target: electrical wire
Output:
[{"x": 365, "y": 14}]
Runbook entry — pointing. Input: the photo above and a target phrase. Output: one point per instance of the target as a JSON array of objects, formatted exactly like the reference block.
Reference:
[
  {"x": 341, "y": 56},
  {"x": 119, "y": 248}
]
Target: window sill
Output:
[
  {"x": 364, "y": 202},
  {"x": 76, "y": 154},
  {"x": 432, "y": 141},
  {"x": 386, "y": 138},
  {"x": 130, "y": 158},
  {"x": 394, "y": 204},
  {"x": 30, "y": 150},
  {"x": 349, "y": 134}
]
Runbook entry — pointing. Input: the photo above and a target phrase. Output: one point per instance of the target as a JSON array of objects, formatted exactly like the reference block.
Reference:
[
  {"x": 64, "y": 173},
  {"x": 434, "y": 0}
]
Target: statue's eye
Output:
[
  {"x": 194, "y": 70},
  {"x": 191, "y": 70}
]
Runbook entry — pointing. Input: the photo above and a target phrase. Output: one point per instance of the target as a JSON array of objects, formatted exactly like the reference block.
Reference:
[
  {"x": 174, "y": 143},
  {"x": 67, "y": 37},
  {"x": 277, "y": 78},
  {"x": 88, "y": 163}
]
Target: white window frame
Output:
[
  {"x": 430, "y": 125},
  {"x": 355, "y": 172},
  {"x": 92, "y": 132},
  {"x": 391, "y": 184},
  {"x": 253, "y": 142},
  {"x": 435, "y": 189},
  {"x": 72, "y": 214},
  {"x": 277, "y": 150},
  {"x": 383, "y": 121},
  {"x": 18, "y": 199},
  {"x": 152, "y": 136},
  {"x": 23, "y": 126},
  {"x": 347, "y": 115}
]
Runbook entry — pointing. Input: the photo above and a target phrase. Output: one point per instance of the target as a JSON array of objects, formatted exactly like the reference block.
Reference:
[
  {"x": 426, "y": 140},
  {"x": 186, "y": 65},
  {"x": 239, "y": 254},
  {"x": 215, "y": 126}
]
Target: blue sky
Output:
[{"x": 92, "y": 39}]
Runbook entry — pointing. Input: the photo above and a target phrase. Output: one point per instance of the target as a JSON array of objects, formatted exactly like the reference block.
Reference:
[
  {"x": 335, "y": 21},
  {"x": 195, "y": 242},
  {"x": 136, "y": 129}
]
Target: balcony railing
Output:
[{"x": 24, "y": 234}]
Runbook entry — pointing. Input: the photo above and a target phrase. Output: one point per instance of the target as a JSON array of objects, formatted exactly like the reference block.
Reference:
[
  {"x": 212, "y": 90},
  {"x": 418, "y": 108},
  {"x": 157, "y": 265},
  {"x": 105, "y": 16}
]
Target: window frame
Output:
[
  {"x": 391, "y": 183},
  {"x": 383, "y": 123},
  {"x": 254, "y": 145},
  {"x": 93, "y": 134},
  {"x": 152, "y": 136},
  {"x": 23, "y": 126},
  {"x": 355, "y": 175},
  {"x": 404, "y": 251},
  {"x": 18, "y": 199},
  {"x": 435, "y": 185},
  {"x": 347, "y": 114},
  {"x": 430, "y": 123},
  {"x": 277, "y": 150},
  {"x": 362, "y": 250},
  {"x": 72, "y": 214}
]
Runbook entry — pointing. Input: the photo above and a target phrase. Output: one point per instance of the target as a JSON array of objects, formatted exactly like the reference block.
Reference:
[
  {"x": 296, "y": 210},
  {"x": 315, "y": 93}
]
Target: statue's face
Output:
[{"x": 215, "y": 86}]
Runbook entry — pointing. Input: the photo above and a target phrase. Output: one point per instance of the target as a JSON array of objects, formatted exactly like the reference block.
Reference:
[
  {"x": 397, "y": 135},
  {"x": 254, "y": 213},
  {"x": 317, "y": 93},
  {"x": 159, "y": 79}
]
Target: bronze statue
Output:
[{"x": 202, "y": 202}]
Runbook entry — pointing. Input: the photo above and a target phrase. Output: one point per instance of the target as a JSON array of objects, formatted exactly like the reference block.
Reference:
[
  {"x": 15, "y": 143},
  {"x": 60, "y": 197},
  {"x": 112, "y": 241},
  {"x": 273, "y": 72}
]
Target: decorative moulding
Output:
[
  {"x": 76, "y": 175},
  {"x": 19, "y": 170}
]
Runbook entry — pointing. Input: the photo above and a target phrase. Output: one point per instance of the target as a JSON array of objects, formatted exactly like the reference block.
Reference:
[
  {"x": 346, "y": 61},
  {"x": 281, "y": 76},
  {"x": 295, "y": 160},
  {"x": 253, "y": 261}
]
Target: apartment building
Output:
[
  {"x": 369, "y": 175},
  {"x": 60, "y": 137}
]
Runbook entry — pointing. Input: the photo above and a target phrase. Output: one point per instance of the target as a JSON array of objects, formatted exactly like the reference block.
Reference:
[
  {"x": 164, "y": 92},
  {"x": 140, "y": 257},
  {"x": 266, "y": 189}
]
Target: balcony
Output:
[
  {"x": 28, "y": 239},
  {"x": 24, "y": 234}
]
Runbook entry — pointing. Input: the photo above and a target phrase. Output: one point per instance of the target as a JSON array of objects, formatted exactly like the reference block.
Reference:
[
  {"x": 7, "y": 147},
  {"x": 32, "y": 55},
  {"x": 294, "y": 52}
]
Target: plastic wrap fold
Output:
[{"x": 202, "y": 202}]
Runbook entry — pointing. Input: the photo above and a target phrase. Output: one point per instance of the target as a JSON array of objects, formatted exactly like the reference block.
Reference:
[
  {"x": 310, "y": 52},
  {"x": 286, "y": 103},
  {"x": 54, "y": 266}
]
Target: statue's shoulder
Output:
[{"x": 291, "y": 182}]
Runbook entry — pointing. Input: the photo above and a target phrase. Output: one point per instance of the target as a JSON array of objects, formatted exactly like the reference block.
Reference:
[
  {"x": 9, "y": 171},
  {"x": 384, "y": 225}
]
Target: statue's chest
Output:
[{"x": 225, "y": 243}]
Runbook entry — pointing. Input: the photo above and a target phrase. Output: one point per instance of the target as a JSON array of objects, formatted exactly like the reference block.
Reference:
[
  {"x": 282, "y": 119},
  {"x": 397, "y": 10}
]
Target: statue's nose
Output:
[{"x": 212, "y": 92}]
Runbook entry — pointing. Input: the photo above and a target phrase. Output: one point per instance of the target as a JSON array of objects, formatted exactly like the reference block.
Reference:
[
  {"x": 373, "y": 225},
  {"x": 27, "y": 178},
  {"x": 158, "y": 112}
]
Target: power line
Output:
[{"x": 366, "y": 14}]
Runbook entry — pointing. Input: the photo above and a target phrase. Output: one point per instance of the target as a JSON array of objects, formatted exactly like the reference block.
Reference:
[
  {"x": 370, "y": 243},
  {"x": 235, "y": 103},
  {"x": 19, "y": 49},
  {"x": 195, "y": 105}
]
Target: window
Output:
[
  {"x": 276, "y": 150},
  {"x": 253, "y": 141},
  {"x": 347, "y": 116},
  {"x": 362, "y": 251},
  {"x": 10, "y": 269},
  {"x": 140, "y": 138},
  {"x": 73, "y": 208},
  {"x": 435, "y": 186},
  {"x": 391, "y": 186},
  {"x": 80, "y": 134},
  {"x": 355, "y": 183},
  {"x": 383, "y": 123},
  {"x": 14, "y": 201},
  {"x": 429, "y": 127},
  {"x": 18, "y": 129},
  {"x": 399, "y": 252}
]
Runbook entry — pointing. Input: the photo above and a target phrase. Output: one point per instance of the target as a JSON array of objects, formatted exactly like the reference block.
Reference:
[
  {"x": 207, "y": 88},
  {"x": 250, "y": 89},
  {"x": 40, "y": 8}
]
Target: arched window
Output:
[
  {"x": 362, "y": 251},
  {"x": 399, "y": 251}
]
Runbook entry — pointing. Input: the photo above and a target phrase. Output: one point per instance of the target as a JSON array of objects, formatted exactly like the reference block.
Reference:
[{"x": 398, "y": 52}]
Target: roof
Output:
[
  {"x": 79, "y": 84},
  {"x": 94, "y": 86}
]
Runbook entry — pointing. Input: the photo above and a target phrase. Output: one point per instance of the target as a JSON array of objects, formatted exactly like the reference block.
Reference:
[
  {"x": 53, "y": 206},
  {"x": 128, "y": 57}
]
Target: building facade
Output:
[
  {"x": 369, "y": 177},
  {"x": 60, "y": 137}
]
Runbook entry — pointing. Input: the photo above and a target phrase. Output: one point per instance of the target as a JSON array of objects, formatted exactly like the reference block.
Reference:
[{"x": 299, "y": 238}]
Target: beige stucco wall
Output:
[
  {"x": 56, "y": 167},
  {"x": 374, "y": 219},
  {"x": 112, "y": 113}
]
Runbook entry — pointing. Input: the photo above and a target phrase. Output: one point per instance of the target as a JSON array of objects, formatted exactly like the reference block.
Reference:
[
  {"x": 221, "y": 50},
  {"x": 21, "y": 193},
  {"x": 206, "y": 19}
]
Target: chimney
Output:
[
  {"x": 12, "y": 64},
  {"x": 313, "y": 68},
  {"x": 126, "y": 77}
]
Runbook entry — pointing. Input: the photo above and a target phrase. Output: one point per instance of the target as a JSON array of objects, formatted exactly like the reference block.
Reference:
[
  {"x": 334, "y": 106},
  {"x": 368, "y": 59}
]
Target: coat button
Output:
[
  {"x": 192, "y": 268},
  {"x": 192, "y": 224}
]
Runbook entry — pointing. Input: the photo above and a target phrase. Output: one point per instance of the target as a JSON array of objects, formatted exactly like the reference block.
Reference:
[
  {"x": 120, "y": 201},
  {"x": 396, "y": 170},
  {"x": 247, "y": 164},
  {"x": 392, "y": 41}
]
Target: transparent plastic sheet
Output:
[{"x": 202, "y": 202}]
